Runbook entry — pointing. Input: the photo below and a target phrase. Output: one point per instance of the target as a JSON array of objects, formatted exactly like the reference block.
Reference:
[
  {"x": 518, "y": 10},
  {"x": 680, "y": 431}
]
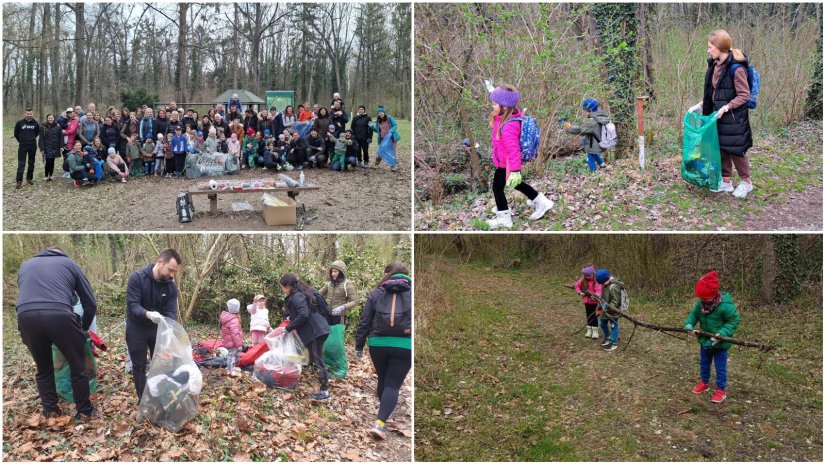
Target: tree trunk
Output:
[
  {"x": 79, "y": 51},
  {"x": 57, "y": 88},
  {"x": 41, "y": 72},
  {"x": 183, "y": 78},
  {"x": 236, "y": 51}
]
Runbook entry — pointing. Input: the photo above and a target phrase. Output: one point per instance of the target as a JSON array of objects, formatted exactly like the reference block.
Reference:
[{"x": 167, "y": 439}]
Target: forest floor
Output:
[
  {"x": 501, "y": 375},
  {"x": 366, "y": 199},
  {"x": 786, "y": 171},
  {"x": 238, "y": 419}
]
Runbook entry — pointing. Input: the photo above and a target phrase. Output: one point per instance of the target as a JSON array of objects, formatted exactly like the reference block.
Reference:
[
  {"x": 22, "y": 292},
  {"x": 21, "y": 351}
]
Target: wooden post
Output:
[{"x": 640, "y": 104}]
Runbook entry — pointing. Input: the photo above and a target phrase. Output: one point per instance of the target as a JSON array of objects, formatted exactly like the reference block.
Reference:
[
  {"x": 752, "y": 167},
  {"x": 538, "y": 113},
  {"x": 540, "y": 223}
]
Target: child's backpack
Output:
[
  {"x": 624, "y": 304},
  {"x": 608, "y": 136},
  {"x": 392, "y": 319},
  {"x": 754, "y": 81},
  {"x": 321, "y": 304},
  {"x": 529, "y": 137},
  {"x": 186, "y": 209}
]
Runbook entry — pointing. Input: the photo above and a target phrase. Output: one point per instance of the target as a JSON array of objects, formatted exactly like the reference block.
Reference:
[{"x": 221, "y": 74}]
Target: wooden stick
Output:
[{"x": 617, "y": 312}]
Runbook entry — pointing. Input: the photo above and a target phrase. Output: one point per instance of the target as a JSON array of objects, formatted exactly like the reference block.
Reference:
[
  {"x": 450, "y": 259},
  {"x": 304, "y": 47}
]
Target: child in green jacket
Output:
[
  {"x": 612, "y": 297},
  {"x": 715, "y": 313}
]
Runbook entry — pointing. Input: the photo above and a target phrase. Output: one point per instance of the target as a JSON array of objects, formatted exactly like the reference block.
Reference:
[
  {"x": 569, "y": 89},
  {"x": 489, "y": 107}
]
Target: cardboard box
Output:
[{"x": 280, "y": 215}]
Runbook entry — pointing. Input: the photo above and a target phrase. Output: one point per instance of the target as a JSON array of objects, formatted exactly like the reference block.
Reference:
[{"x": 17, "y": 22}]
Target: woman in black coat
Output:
[
  {"x": 362, "y": 134},
  {"x": 312, "y": 328},
  {"x": 109, "y": 133},
  {"x": 51, "y": 140}
]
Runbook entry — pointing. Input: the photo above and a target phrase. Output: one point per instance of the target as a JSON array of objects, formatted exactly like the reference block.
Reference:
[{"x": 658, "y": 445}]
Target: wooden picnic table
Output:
[{"x": 291, "y": 192}]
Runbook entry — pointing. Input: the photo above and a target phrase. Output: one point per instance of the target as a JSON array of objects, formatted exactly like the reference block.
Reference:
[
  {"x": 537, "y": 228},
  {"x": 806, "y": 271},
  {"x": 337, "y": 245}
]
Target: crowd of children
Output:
[
  {"x": 714, "y": 313},
  {"x": 157, "y": 145}
]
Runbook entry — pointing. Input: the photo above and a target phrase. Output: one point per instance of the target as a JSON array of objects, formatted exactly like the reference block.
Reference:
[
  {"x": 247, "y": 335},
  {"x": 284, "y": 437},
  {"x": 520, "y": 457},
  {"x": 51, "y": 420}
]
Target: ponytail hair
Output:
[
  {"x": 722, "y": 40},
  {"x": 291, "y": 280},
  {"x": 505, "y": 112}
]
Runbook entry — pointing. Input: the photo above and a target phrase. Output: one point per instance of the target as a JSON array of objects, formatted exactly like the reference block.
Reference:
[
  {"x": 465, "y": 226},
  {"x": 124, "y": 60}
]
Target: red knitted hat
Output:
[{"x": 708, "y": 286}]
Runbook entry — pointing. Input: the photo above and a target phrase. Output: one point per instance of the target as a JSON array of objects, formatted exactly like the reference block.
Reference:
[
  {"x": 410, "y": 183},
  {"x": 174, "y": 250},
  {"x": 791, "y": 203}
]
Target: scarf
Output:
[{"x": 709, "y": 306}]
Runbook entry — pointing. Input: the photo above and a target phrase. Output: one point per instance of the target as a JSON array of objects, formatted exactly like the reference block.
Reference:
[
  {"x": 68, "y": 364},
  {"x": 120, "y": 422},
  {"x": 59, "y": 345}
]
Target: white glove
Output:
[
  {"x": 722, "y": 111},
  {"x": 695, "y": 108},
  {"x": 337, "y": 311},
  {"x": 154, "y": 316}
]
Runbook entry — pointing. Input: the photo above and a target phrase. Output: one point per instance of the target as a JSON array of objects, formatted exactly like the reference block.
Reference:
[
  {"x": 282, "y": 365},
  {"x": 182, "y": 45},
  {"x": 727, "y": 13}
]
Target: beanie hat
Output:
[
  {"x": 111, "y": 150},
  {"x": 336, "y": 95},
  {"x": 331, "y": 127},
  {"x": 250, "y": 131},
  {"x": 267, "y": 132},
  {"x": 708, "y": 286},
  {"x": 602, "y": 276},
  {"x": 149, "y": 137},
  {"x": 590, "y": 105},
  {"x": 589, "y": 271},
  {"x": 88, "y": 148},
  {"x": 233, "y": 306},
  {"x": 505, "y": 97},
  {"x": 380, "y": 109},
  {"x": 160, "y": 136}
]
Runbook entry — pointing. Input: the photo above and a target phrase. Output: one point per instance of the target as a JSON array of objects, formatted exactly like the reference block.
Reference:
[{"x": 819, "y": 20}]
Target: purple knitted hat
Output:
[
  {"x": 504, "y": 97},
  {"x": 589, "y": 271}
]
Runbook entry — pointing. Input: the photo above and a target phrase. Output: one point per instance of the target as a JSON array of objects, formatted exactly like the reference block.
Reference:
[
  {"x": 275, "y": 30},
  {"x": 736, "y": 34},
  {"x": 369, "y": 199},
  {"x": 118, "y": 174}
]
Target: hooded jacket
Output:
[
  {"x": 340, "y": 292},
  {"x": 309, "y": 324},
  {"x": 506, "y": 149},
  {"x": 612, "y": 297},
  {"x": 231, "y": 331},
  {"x": 49, "y": 281},
  {"x": 26, "y": 132},
  {"x": 144, "y": 293},
  {"x": 591, "y": 286},
  {"x": 361, "y": 128},
  {"x": 259, "y": 318},
  {"x": 724, "y": 319},
  {"x": 592, "y": 131},
  {"x": 380, "y": 301}
]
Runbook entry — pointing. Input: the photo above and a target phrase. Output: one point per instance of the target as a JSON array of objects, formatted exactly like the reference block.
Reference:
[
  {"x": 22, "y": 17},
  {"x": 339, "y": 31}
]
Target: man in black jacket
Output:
[
  {"x": 151, "y": 295},
  {"x": 362, "y": 134},
  {"x": 47, "y": 284},
  {"x": 25, "y": 132}
]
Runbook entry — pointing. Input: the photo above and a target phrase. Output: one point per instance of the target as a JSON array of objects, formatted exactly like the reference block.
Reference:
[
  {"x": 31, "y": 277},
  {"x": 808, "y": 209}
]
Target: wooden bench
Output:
[{"x": 291, "y": 192}]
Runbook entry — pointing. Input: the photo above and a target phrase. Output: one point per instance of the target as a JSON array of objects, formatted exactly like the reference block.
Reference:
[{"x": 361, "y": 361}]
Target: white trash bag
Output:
[{"x": 174, "y": 381}]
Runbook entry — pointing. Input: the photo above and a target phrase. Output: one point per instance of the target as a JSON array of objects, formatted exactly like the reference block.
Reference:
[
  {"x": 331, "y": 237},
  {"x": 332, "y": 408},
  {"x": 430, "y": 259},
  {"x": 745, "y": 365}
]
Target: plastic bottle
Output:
[{"x": 301, "y": 179}]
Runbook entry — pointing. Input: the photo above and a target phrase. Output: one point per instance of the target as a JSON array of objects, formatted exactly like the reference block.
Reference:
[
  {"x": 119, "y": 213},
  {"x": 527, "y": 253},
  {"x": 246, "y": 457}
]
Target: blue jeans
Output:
[
  {"x": 148, "y": 167},
  {"x": 718, "y": 357},
  {"x": 594, "y": 161},
  {"x": 610, "y": 332}
]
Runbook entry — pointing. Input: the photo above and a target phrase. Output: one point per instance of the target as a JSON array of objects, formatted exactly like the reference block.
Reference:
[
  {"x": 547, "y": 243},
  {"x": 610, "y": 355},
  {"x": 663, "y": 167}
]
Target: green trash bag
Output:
[
  {"x": 701, "y": 160},
  {"x": 63, "y": 374},
  {"x": 335, "y": 354}
]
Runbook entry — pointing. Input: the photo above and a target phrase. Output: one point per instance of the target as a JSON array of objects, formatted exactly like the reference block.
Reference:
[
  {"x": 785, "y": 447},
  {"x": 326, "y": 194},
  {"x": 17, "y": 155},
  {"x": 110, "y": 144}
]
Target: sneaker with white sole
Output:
[
  {"x": 503, "y": 219},
  {"x": 530, "y": 203},
  {"x": 543, "y": 204},
  {"x": 724, "y": 187},
  {"x": 743, "y": 189}
]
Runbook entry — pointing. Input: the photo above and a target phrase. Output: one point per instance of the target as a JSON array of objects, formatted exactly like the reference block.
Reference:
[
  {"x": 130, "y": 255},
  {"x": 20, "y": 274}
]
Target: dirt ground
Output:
[
  {"x": 238, "y": 419},
  {"x": 366, "y": 199},
  {"x": 521, "y": 383}
]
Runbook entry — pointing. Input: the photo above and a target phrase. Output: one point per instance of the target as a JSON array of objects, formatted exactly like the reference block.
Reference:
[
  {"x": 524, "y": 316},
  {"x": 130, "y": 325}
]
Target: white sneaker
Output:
[
  {"x": 503, "y": 219},
  {"x": 530, "y": 203},
  {"x": 743, "y": 189},
  {"x": 724, "y": 187},
  {"x": 123, "y": 180},
  {"x": 589, "y": 332},
  {"x": 543, "y": 204}
]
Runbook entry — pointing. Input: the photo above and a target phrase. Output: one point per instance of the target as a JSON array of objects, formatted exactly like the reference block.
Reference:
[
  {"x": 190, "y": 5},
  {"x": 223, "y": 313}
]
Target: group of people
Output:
[
  {"x": 714, "y": 312},
  {"x": 50, "y": 282},
  {"x": 145, "y": 143},
  {"x": 726, "y": 93}
]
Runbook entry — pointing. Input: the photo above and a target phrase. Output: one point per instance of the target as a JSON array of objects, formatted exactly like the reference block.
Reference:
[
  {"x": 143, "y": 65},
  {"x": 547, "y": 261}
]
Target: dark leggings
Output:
[
  {"x": 363, "y": 150},
  {"x": 590, "y": 314},
  {"x": 500, "y": 181},
  {"x": 180, "y": 162},
  {"x": 39, "y": 329},
  {"x": 49, "y": 170},
  {"x": 138, "y": 339},
  {"x": 392, "y": 365},
  {"x": 316, "y": 356}
]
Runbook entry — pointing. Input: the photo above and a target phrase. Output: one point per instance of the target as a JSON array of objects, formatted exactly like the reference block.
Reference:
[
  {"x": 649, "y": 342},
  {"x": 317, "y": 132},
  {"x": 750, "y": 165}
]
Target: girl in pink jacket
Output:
[
  {"x": 588, "y": 283},
  {"x": 232, "y": 335},
  {"x": 505, "y": 140}
]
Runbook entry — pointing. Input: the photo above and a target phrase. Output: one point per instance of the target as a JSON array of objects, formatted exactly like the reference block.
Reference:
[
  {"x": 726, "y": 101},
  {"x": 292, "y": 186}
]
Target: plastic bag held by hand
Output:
[
  {"x": 173, "y": 382},
  {"x": 701, "y": 159}
]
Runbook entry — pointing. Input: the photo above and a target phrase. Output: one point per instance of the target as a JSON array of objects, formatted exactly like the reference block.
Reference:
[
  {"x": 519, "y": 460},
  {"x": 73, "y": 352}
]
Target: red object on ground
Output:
[
  {"x": 701, "y": 387},
  {"x": 252, "y": 354},
  {"x": 718, "y": 396},
  {"x": 212, "y": 344}
]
